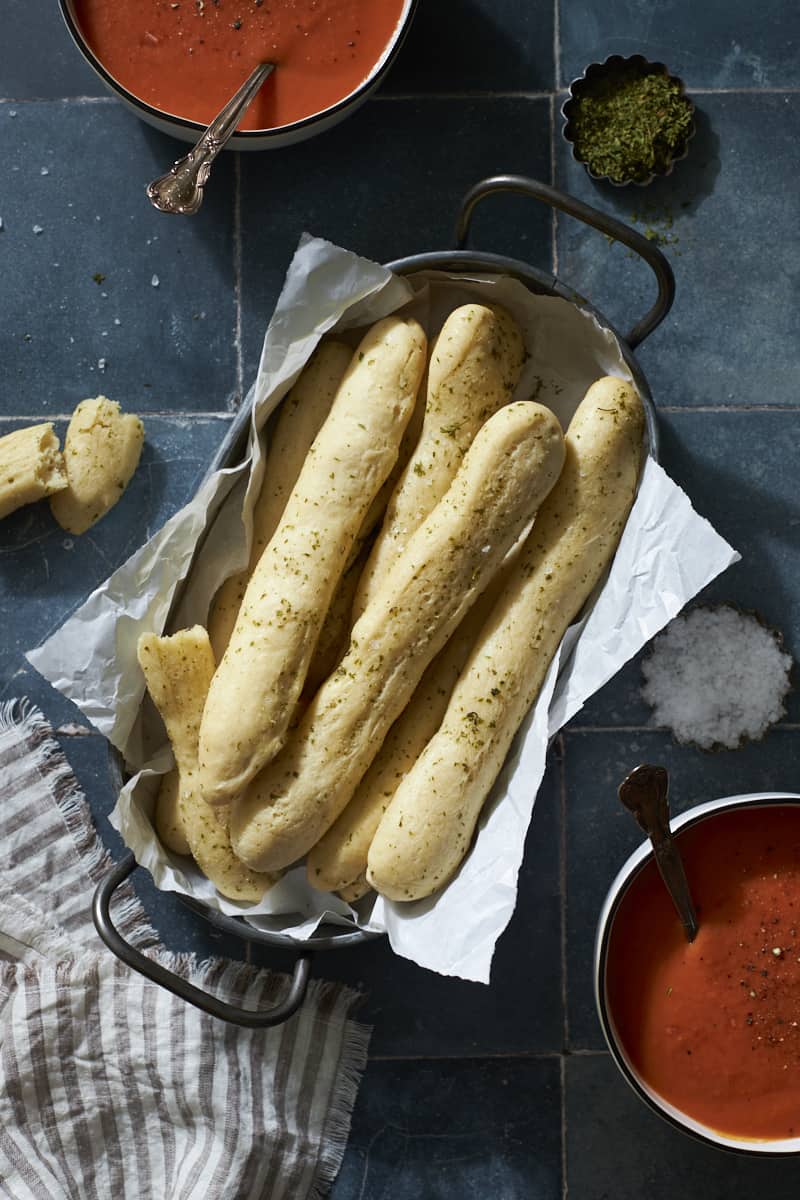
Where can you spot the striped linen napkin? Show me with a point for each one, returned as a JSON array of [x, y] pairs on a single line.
[[109, 1085]]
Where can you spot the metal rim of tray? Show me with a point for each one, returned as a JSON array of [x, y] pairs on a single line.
[[457, 261]]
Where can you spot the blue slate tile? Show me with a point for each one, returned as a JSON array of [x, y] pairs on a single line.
[[387, 183], [616, 1147], [45, 572], [711, 45], [477, 46], [600, 834], [735, 468], [729, 223], [83, 291], [416, 1012], [40, 61], [460, 1130]]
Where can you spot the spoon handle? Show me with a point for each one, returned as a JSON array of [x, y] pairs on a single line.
[[645, 794], [181, 189]]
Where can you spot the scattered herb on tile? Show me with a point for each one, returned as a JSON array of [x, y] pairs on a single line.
[[628, 126]]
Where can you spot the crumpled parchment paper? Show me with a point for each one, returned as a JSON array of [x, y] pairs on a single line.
[[667, 554]]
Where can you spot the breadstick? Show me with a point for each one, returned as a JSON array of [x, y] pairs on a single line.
[[473, 370], [339, 858], [355, 890], [101, 452], [300, 419], [168, 821], [511, 466], [335, 633], [428, 826], [258, 683], [31, 466], [178, 670]]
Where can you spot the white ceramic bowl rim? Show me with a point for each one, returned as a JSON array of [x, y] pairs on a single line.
[[367, 84], [778, 1148]]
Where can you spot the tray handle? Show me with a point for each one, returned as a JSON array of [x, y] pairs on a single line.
[[159, 974], [590, 216]]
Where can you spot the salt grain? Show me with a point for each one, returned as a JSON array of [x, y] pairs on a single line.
[[44, 171], [38, 229], [717, 677], [154, 282]]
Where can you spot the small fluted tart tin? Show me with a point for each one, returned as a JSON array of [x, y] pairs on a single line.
[[613, 102]]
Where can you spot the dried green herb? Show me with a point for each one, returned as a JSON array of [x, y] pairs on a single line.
[[628, 126]]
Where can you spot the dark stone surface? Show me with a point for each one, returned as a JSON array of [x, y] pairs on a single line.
[[462, 1096], [83, 289], [616, 1149], [445, 1129], [711, 45], [400, 169]]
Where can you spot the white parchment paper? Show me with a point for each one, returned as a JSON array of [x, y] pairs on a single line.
[[667, 554]]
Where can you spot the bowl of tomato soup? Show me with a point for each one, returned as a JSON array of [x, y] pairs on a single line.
[[708, 1032], [177, 62]]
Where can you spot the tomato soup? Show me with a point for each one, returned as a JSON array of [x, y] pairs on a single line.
[[713, 1026], [188, 57]]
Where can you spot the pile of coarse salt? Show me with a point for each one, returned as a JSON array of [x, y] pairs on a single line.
[[717, 677]]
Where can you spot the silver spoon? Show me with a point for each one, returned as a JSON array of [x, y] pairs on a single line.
[[644, 793], [181, 189]]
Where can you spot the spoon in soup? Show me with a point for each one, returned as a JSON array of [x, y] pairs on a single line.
[[644, 793], [181, 189]]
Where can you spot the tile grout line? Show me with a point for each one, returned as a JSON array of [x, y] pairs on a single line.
[[383, 97], [237, 278], [562, 873], [494, 1056], [144, 413], [562, 1075], [553, 211], [562, 881], [556, 45]]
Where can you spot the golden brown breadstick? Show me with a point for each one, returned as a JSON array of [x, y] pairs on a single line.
[[510, 467], [473, 370], [178, 670], [258, 683], [300, 419], [428, 826]]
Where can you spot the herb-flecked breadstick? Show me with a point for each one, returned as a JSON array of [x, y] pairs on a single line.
[[474, 367], [428, 826], [258, 683], [31, 466], [301, 417], [340, 856], [168, 820], [177, 671], [508, 470], [101, 452]]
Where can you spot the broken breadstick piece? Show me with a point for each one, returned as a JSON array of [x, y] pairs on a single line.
[[31, 466]]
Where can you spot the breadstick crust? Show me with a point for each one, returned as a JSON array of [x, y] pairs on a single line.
[[335, 633], [356, 890], [301, 417], [101, 452], [168, 820], [258, 683], [31, 467], [507, 472], [474, 367], [178, 671], [339, 859], [429, 824]]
